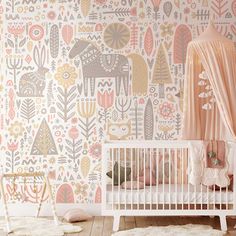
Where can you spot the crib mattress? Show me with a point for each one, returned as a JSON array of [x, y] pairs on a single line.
[[168, 194]]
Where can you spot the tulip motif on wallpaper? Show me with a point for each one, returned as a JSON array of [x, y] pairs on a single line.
[[12, 156], [105, 100], [86, 110]]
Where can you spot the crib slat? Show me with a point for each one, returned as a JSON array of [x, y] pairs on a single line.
[[182, 177], [144, 167], [132, 197], [138, 202], [176, 178], [157, 178], [150, 165], [125, 150], [163, 177], [169, 153], [112, 179], [118, 160]]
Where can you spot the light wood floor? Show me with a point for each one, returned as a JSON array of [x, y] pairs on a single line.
[[102, 226]]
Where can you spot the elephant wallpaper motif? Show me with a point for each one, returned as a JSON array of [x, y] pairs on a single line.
[[75, 73]]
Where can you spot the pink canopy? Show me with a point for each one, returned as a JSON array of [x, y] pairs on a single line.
[[210, 88]]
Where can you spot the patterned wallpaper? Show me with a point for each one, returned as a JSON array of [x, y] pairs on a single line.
[[76, 72]]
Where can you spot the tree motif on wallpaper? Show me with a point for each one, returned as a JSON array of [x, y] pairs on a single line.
[[14, 65], [148, 120], [44, 143], [67, 33], [27, 109], [182, 37], [161, 72], [156, 7]]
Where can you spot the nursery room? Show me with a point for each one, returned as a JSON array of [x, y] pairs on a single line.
[[117, 117]]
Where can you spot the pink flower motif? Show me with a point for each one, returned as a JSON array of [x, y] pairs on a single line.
[[16, 29], [167, 110], [74, 133], [105, 99], [96, 150], [51, 15], [12, 146], [36, 32]]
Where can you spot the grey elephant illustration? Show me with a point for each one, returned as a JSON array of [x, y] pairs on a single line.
[[32, 84], [98, 65]]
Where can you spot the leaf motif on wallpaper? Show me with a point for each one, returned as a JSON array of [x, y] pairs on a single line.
[[98, 195], [66, 103], [136, 114], [65, 194], [161, 73], [148, 41], [233, 6], [86, 110], [148, 120], [85, 7], [85, 166], [27, 110], [67, 33], [44, 143], [182, 37], [73, 149], [167, 8], [54, 41], [219, 7]]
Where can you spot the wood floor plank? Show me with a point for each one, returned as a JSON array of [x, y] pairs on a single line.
[[97, 228], [130, 222], [87, 227], [107, 228]]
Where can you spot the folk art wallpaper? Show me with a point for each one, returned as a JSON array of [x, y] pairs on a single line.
[[76, 72]]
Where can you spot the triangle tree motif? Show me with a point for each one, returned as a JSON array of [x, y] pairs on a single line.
[[161, 73], [44, 143]]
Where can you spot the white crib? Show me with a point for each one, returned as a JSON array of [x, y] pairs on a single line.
[[168, 192]]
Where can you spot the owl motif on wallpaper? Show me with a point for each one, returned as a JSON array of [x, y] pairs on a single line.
[[119, 131]]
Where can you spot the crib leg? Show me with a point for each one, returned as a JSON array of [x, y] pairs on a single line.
[[223, 222], [116, 223]]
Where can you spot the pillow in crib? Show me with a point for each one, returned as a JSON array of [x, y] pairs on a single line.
[[132, 185], [122, 174], [76, 215], [148, 178]]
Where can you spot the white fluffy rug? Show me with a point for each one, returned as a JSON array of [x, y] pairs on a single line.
[[31, 226], [172, 230]]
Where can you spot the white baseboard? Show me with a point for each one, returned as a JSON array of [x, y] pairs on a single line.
[[29, 209]]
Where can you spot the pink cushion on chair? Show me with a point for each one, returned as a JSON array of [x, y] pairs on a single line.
[[76, 215]]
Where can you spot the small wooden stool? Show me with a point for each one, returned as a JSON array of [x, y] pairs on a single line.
[[46, 184]]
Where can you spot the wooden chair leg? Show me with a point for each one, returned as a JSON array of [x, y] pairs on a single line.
[[41, 199], [51, 200], [8, 224]]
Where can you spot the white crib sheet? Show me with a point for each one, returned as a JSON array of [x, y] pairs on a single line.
[[168, 194]]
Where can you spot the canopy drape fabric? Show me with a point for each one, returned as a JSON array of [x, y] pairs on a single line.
[[210, 88]]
